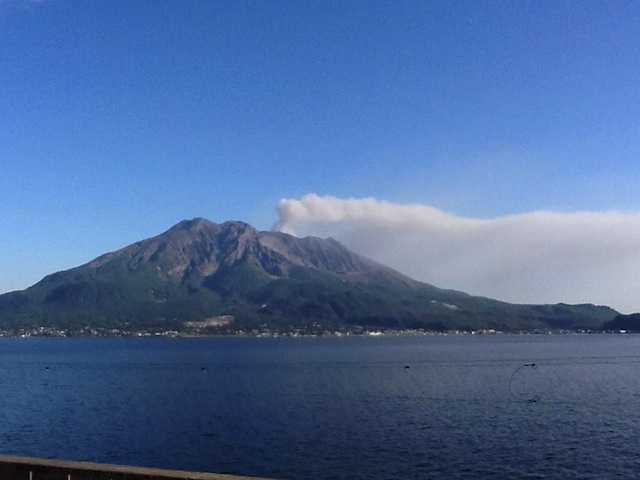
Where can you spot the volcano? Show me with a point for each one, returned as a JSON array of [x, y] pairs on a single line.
[[230, 277]]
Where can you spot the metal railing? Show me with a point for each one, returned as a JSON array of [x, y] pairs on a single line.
[[28, 468]]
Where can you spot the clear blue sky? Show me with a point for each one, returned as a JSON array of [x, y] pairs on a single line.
[[119, 118]]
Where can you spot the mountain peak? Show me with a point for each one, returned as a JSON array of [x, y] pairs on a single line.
[[193, 223], [197, 223]]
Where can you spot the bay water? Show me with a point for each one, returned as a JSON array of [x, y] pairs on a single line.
[[406, 407]]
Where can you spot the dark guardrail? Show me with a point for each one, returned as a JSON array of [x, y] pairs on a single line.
[[27, 468]]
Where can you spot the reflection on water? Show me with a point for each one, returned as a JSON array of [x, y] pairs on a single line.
[[327, 408]]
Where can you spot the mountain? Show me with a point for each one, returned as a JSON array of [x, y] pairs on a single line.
[[227, 277], [629, 323]]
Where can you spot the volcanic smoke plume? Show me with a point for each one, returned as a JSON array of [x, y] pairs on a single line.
[[534, 257]]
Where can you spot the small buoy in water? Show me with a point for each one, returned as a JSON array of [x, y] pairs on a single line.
[[46, 368], [406, 366], [204, 369]]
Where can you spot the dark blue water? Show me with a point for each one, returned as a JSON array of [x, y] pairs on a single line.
[[330, 408]]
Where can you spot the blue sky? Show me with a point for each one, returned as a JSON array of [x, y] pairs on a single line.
[[120, 118]]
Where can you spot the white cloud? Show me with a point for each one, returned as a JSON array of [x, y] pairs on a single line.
[[535, 257]]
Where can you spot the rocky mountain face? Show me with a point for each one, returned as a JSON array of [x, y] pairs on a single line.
[[199, 271], [197, 250]]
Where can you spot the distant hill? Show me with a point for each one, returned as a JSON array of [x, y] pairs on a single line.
[[229, 276], [629, 323]]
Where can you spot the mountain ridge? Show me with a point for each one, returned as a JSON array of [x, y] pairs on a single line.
[[198, 270]]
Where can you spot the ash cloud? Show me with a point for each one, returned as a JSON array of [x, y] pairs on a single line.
[[534, 257]]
